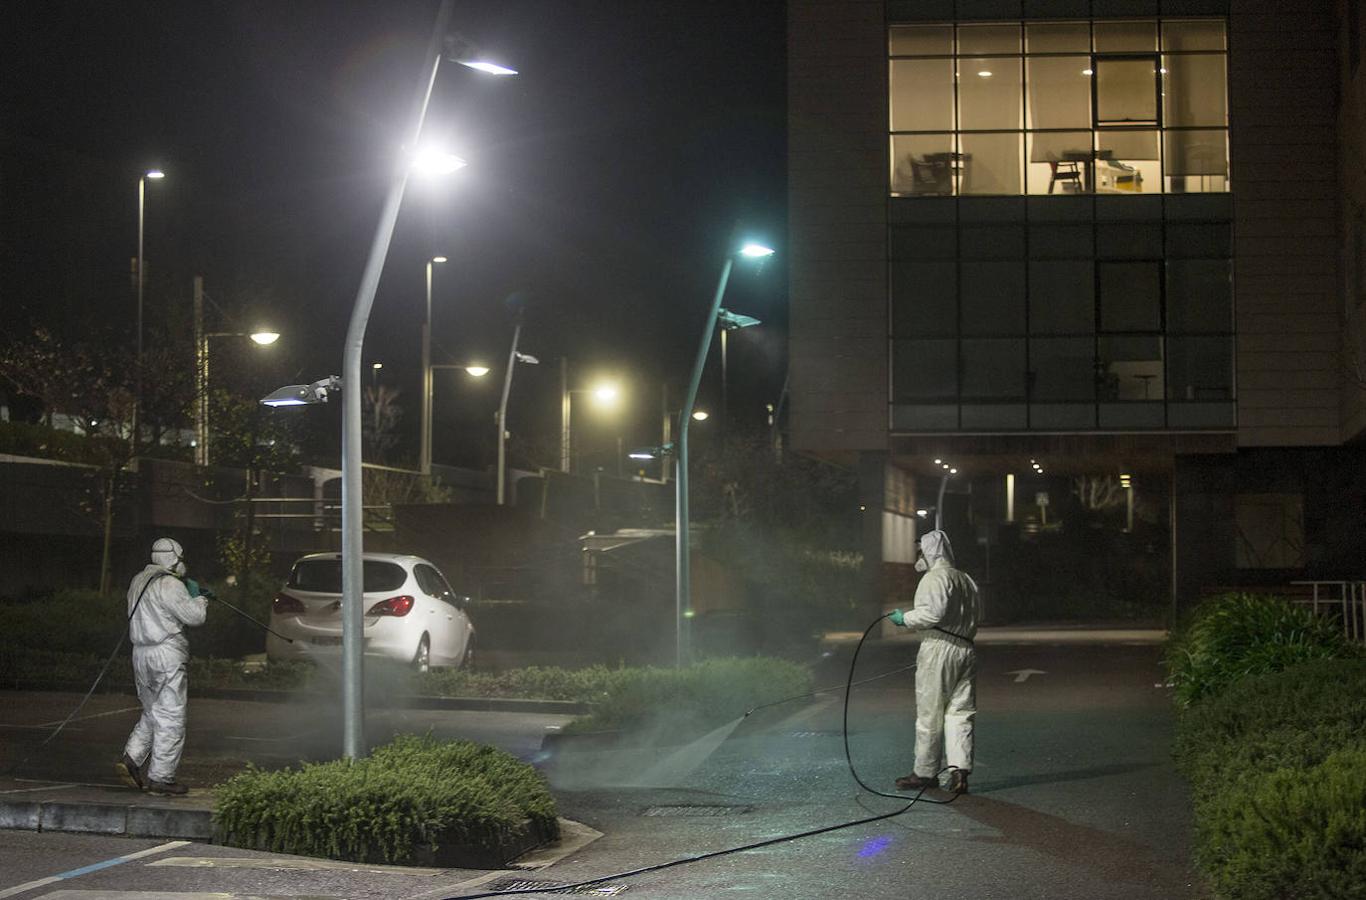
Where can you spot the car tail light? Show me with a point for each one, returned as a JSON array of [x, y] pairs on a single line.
[[394, 606], [286, 605]]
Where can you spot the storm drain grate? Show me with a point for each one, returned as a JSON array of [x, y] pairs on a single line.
[[696, 810], [526, 884]]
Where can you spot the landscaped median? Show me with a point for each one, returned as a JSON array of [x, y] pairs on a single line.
[[1271, 739], [415, 801]]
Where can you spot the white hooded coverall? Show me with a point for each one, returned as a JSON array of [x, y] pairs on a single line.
[[160, 654], [946, 600]]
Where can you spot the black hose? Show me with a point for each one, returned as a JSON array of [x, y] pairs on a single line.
[[658, 867]]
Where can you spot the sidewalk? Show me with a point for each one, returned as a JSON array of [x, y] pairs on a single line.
[[70, 783]]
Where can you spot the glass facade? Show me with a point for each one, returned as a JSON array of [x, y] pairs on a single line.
[[1104, 107], [1076, 313]]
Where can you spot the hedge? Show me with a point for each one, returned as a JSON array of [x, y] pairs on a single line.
[[1277, 763], [1234, 635], [412, 793], [694, 698]]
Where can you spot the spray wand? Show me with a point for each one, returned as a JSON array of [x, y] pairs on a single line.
[[205, 592]]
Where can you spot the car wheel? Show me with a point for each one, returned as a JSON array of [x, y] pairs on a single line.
[[467, 660], [422, 659]]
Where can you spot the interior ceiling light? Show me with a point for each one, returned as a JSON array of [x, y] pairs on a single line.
[[1088, 71], [984, 74]]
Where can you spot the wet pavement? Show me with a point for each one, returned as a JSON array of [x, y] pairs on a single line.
[[1073, 794]]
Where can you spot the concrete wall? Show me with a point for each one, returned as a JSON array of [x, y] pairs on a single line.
[[1352, 180], [1282, 116], [837, 223]]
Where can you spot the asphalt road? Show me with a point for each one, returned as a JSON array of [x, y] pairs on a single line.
[[1073, 796]]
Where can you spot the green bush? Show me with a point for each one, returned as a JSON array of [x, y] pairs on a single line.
[[409, 794], [671, 702], [1234, 635], [69, 621], [1292, 834], [533, 682], [1278, 775]]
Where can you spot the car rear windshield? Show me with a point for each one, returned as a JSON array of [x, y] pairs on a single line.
[[324, 576]]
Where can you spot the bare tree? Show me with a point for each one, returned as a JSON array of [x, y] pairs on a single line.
[[1098, 493], [380, 418]]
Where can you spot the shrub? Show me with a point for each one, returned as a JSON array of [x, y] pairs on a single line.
[[673, 702], [411, 793], [1234, 635], [1292, 719], [68, 621], [1279, 781], [1293, 834], [542, 683]]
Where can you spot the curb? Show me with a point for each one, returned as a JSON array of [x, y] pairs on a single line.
[[109, 819], [261, 695]]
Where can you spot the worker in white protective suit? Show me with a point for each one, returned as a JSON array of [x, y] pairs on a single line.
[[947, 610], [160, 605]]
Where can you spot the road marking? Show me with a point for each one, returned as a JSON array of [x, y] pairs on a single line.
[[112, 712], [46, 787], [1022, 675], [94, 867], [276, 862]]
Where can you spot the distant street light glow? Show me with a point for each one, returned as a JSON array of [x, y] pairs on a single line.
[[155, 173], [437, 162], [701, 415], [376, 365], [755, 251], [605, 393], [477, 371], [265, 337], [438, 259], [490, 68]]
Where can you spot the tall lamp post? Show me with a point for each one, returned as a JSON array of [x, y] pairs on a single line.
[[201, 343], [353, 725], [605, 392], [729, 322], [154, 175], [425, 463], [353, 710], [682, 580], [514, 357]]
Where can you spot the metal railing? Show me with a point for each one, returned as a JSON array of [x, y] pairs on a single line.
[[1349, 604]]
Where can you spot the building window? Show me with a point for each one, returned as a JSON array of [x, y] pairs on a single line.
[[1114, 107]]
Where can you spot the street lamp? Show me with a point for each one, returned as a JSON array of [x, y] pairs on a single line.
[[153, 175], [425, 462], [201, 371], [682, 580], [514, 357], [605, 393], [729, 321], [353, 726]]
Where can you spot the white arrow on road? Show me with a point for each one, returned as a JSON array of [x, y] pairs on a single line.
[[1023, 674]]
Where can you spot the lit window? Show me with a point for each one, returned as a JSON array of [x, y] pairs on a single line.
[[1116, 107]]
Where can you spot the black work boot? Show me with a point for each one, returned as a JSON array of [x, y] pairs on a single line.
[[171, 788], [130, 773], [958, 782], [914, 783]]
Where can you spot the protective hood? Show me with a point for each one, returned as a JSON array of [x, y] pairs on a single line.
[[168, 554], [934, 546]]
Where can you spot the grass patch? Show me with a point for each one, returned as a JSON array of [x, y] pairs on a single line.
[[413, 793]]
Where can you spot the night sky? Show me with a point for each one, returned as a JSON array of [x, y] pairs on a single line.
[[603, 182]]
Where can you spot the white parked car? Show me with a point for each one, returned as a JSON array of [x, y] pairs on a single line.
[[411, 613]]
